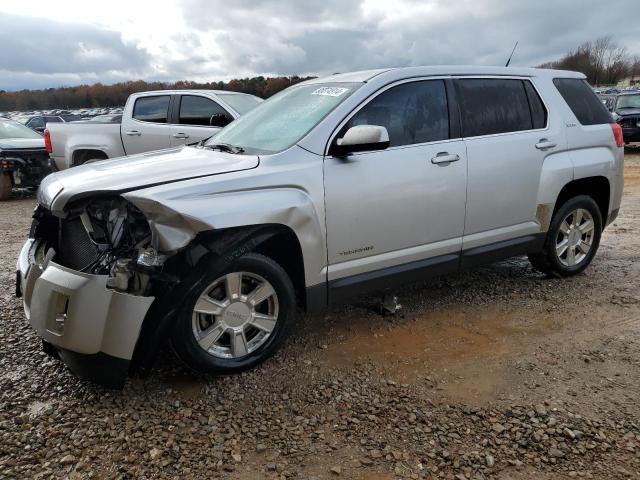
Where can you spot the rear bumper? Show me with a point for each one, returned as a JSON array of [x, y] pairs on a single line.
[[95, 329]]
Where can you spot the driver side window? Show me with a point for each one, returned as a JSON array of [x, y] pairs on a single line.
[[412, 113], [196, 110]]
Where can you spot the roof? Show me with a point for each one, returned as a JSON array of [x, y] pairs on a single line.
[[366, 75]]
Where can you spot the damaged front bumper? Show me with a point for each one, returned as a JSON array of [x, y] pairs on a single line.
[[93, 328]]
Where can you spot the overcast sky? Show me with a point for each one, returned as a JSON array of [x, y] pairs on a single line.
[[46, 43]]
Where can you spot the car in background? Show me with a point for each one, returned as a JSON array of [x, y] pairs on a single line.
[[24, 160], [107, 118], [150, 121], [39, 122], [625, 108]]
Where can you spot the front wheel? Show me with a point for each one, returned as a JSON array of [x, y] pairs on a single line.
[[236, 316], [572, 240]]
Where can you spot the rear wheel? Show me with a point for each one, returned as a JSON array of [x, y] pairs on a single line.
[[5, 186], [235, 317], [89, 157], [572, 240]]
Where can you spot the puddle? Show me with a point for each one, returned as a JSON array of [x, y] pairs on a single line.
[[186, 386], [463, 353]]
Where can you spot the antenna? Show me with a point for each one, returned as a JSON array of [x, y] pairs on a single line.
[[514, 49]]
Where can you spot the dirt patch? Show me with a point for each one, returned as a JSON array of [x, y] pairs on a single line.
[[459, 351]]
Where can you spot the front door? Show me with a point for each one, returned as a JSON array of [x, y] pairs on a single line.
[[148, 128], [198, 118], [390, 210]]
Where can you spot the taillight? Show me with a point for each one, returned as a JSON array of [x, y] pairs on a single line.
[[47, 141], [617, 134]]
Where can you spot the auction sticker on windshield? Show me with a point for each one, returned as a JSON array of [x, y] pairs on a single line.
[[330, 91]]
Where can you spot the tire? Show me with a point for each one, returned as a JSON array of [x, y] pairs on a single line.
[[570, 223], [88, 157], [225, 354], [5, 186]]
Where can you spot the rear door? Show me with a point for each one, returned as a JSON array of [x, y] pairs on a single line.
[[508, 136], [197, 117], [147, 127]]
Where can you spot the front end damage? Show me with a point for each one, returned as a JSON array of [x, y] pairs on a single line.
[[88, 280], [102, 282]]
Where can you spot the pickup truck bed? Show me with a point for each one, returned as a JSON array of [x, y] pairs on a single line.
[[150, 121]]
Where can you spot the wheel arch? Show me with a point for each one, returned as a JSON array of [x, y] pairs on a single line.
[[596, 187], [277, 241], [83, 154]]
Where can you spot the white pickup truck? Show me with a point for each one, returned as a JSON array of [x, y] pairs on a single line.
[[150, 121]]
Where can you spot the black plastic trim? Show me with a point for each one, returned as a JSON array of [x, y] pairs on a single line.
[[344, 288], [99, 368], [612, 216], [341, 289], [455, 125], [317, 297], [493, 252]]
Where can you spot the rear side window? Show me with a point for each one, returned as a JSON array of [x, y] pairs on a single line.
[[414, 112], [584, 103], [493, 105], [151, 109], [538, 112], [195, 110]]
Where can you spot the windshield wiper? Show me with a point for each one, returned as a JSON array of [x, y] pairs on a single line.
[[224, 147]]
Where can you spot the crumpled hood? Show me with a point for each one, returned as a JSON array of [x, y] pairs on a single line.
[[21, 143], [138, 171]]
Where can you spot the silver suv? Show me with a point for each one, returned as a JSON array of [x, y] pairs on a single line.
[[333, 187]]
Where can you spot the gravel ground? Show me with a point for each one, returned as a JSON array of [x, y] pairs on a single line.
[[494, 373]]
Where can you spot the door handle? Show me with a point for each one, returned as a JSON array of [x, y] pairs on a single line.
[[180, 135], [444, 158], [545, 144], [133, 133]]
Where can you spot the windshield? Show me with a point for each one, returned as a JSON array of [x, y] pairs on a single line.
[[239, 102], [285, 118], [10, 129], [628, 101]]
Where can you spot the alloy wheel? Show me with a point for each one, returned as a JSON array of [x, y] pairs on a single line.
[[235, 315], [575, 237]]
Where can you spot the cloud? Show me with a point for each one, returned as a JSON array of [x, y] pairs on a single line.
[[41, 52], [218, 39], [322, 37]]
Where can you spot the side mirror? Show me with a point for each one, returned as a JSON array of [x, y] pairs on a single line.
[[219, 120], [361, 138]]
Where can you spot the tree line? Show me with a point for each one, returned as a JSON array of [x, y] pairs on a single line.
[[603, 61], [99, 95]]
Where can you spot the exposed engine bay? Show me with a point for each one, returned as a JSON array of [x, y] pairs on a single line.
[[104, 236]]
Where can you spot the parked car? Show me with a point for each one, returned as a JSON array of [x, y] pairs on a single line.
[[107, 118], [24, 161], [39, 122], [333, 187], [150, 121], [625, 108]]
